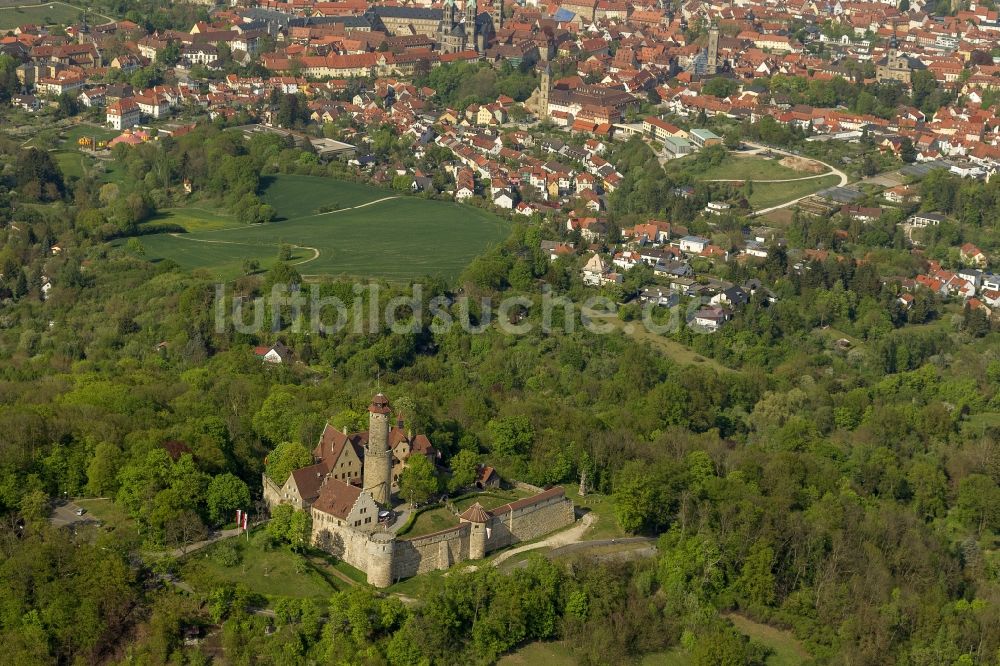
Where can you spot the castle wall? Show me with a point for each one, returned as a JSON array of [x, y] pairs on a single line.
[[530, 522], [272, 493], [397, 559], [430, 552]]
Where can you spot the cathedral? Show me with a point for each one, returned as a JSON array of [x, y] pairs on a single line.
[[467, 28]]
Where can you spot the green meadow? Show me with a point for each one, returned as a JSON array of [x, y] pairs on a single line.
[[335, 228]]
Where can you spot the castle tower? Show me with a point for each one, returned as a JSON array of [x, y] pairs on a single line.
[[712, 66], [471, 29], [543, 92], [477, 518], [381, 548], [378, 456]]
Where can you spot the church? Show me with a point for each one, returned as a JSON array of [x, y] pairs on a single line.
[[455, 27], [470, 30]]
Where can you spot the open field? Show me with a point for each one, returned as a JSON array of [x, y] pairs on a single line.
[[430, 521], [270, 572], [554, 653], [195, 219], [299, 196], [491, 499], [50, 13], [766, 195], [367, 232], [675, 350], [749, 167], [786, 649], [80, 130], [72, 163]]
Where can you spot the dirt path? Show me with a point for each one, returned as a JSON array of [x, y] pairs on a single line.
[[315, 251], [198, 545], [755, 181], [341, 210], [834, 171], [564, 538]]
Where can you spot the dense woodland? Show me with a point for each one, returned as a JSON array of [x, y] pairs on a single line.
[[853, 497]]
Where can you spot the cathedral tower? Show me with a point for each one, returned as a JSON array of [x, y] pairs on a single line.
[[471, 29], [378, 455], [497, 14]]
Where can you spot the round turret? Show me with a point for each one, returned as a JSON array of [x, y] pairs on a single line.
[[381, 546], [478, 518], [378, 457]]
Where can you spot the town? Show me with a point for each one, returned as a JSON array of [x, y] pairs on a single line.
[[445, 332], [575, 81]]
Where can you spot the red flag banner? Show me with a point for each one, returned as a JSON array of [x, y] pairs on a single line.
[[239, 517], [244, 521]]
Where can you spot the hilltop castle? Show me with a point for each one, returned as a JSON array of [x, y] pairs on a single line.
[[353, 478]]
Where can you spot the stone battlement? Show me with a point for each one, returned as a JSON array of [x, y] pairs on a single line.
[[387, 559]]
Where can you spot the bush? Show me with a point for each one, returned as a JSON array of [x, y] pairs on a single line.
[[228, 553]]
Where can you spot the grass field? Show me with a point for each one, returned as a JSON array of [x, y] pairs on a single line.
[[786, 649], [430, 521], [675, 350], [50, 13], [490, 500], [746, 168], [270, 572], [195, 219], [75, 133], [556, 653], [72, 163], [766, 195], [107, 512], [388, 236]]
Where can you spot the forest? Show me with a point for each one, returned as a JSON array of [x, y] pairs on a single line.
[[852, 497]]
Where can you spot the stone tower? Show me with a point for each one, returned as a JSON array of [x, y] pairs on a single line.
[[712, 64], [378, 456], [449, 13], [543, 92], [497, 14], [381, 548], [471, 29], [477, 518]]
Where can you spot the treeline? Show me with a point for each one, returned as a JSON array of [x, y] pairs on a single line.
[[460, 84], [881, 99]]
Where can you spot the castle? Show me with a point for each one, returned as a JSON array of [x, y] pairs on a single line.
[[353, 478]]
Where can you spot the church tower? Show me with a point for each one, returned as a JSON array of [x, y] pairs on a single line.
[[449, 14], [497, 14], [471, 30], [543, 92], [378, 455], [712, 64]]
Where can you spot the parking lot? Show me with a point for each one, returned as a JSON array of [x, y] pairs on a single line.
[[66, 515]]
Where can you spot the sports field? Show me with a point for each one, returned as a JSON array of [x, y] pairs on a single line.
[[336, 228]]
